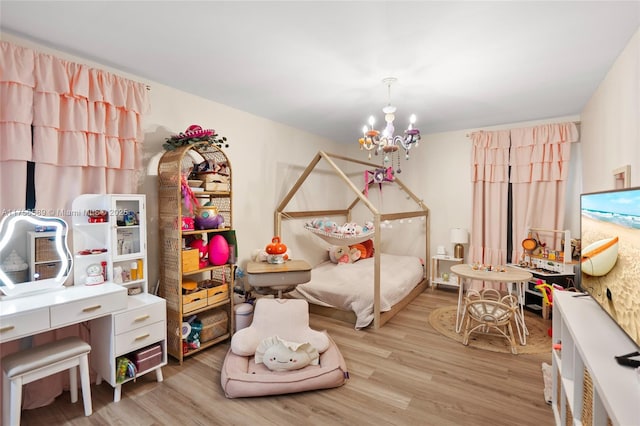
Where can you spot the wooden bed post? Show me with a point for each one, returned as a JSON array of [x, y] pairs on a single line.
[[376, 273]]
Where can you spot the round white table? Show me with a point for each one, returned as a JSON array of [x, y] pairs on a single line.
[[510, 276]]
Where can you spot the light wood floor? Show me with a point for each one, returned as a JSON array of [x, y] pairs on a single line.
[[403, 374]]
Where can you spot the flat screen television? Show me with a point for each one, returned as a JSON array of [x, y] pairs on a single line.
[[610, 254]]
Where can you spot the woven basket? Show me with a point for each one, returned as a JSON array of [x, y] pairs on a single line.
[[587, 399], [214, 324], [46, 249]]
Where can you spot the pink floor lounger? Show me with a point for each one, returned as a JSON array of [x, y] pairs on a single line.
[[288, 319]]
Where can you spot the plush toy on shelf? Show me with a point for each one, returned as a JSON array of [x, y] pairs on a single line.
[[203, 249]]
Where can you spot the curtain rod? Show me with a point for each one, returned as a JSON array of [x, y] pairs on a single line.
[[577, 123]]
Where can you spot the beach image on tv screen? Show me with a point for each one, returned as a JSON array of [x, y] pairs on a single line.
[[610, 260]]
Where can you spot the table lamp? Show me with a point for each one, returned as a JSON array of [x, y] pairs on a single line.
[[459, 237]]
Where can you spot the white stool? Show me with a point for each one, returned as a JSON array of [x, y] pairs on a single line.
[[41, 361]]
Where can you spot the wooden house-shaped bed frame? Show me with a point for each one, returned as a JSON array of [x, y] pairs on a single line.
[[380, 318]]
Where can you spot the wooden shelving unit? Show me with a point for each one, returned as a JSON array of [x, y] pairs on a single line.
[[172, 167]]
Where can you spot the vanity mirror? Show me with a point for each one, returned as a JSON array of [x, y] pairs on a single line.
[[34, 254]]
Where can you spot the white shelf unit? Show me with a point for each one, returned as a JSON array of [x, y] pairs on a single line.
[[441, 264], [124, 244], [590, 340], [143, 322]]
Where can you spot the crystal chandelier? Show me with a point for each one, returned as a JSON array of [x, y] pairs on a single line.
[[386, 143]]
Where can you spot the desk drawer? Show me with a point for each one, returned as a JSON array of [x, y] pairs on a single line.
[[139, 317], [140, 337], [23, 324], [86, 309]]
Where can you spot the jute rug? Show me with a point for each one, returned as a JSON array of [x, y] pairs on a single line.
[[538, 341]]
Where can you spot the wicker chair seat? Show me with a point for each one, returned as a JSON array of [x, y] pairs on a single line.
[[488, 311]]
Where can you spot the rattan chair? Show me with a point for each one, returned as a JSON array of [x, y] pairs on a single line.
[[488, 311]]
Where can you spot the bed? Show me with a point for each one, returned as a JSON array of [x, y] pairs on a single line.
[[369, 291], [349, 287]]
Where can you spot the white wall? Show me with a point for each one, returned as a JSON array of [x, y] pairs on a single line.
[[611, 123]]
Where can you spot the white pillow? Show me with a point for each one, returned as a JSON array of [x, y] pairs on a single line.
[[279, 355]]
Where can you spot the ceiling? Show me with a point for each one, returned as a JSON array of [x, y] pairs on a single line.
[[318, 66]]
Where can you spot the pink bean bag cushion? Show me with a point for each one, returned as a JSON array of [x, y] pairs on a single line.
[[289, 320], [242, 377]]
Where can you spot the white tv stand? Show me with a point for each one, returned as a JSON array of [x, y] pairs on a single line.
[[591, 340]]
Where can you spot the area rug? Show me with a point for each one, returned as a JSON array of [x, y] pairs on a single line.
[[538, 341]]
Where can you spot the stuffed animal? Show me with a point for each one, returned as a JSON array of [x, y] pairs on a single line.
[[324, 224], [351, 228], [343, 254], [365, 248], [203, 249], [279, 355]]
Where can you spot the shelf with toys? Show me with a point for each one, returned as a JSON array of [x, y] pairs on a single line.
[[200, 249]]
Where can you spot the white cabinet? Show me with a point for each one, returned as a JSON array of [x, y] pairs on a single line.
[[589, 386], [441, 273], [142, 324], [118, 245], [109, 235]]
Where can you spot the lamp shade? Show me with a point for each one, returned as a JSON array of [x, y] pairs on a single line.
[[459, 236]]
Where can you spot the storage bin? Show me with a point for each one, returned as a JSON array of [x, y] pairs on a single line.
[[46, 249], [47, 270], [217, 294], [190, 260], [147, 358], [193, 301], [214, 324]]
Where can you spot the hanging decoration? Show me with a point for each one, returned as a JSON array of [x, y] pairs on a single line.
[[377, 176], [386, 143]]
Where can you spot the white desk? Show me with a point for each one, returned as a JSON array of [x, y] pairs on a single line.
[[120, 323], [509, 276], [51, 309]]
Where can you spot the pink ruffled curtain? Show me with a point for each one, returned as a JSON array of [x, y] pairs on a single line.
[[87, 129], [16, 115], [539, 170], [87, 137], [490, 180], [537, 159]]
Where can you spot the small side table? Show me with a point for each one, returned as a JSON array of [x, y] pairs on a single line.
[[441, 264], [277, 278]]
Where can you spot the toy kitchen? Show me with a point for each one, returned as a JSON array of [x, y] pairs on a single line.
[[546, 263]]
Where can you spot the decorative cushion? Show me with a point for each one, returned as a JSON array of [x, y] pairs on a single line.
[[242, 377], [279, 355]]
